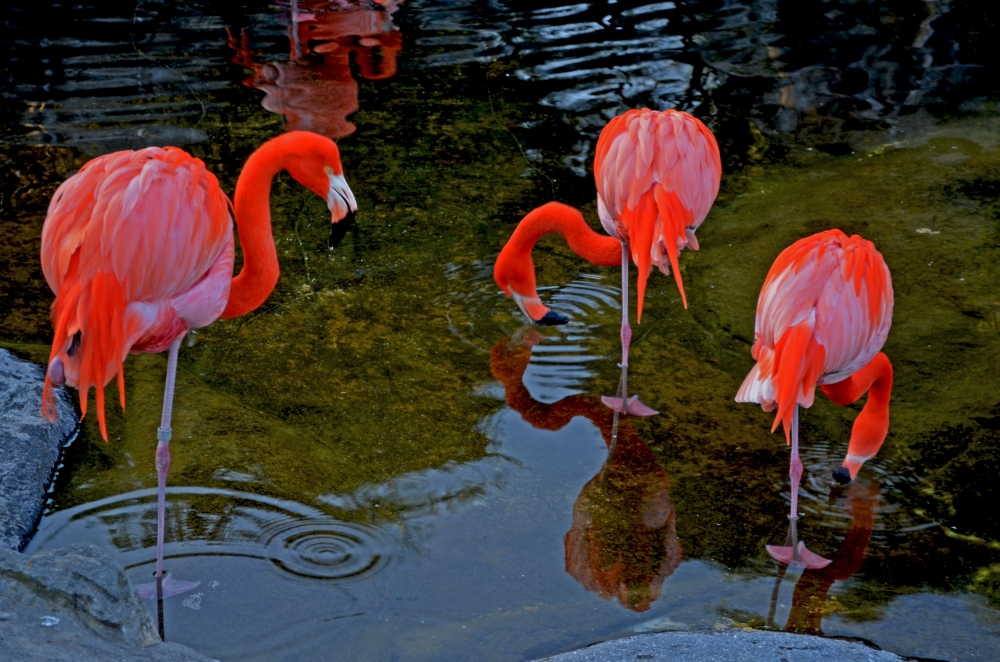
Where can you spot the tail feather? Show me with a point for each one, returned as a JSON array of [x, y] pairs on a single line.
[[798, 361], [674, 219], [95, 308], [641, 227]]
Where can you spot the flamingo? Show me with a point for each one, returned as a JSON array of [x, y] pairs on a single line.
[[138, 248], [657, 175], [822, 317]]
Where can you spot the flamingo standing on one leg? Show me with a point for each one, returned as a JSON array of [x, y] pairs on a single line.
[[657, 175], [822, 317], [138, 248]]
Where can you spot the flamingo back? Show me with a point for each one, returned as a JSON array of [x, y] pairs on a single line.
[[823, 314], [657, 175], [140, 227]]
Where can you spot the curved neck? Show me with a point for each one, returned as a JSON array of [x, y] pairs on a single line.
[[598, 249], [872, 424], [253, 220]]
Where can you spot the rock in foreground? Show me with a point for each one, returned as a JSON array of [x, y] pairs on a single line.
[[29, 446], [727, 645], [76, 604]]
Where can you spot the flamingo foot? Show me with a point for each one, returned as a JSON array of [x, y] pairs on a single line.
[[797, 556], [630, 406], [171, 587]]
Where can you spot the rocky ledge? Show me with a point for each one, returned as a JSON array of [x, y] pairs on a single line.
[[29, 446], [76, 604], [73, 603], [728, 646]]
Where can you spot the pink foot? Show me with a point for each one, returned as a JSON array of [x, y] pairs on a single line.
[[798, 556], [171, 587], [631, 406]]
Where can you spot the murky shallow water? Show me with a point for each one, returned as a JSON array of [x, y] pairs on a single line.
[[377, 465]]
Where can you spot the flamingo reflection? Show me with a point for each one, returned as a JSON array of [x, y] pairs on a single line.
[[623, 541], [809, 597], [315, 89]]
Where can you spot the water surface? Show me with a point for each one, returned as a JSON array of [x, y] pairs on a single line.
[[384, 463]]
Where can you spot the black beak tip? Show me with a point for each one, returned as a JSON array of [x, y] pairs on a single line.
[[552, 318], [339, 229], [842, 475]]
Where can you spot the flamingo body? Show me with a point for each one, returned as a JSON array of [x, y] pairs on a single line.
[[657, 175], [822, 317], [138, 248], [823, 314]]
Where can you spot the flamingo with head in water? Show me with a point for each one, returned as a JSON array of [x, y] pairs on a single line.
[[138, 248], [657, 175], [822, 317]]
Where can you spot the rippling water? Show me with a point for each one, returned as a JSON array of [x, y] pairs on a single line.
[[385, 461]]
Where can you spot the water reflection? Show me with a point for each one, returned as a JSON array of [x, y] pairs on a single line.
[[623, 541], [809, 600], [315, 89]]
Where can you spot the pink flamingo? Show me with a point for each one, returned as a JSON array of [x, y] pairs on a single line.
[[657, 175], [138, 249], [822, 317]]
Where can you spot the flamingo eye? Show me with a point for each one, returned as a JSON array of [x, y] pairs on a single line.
[[328, 170]]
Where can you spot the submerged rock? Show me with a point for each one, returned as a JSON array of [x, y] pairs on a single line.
[[29, 446], [75, 603]]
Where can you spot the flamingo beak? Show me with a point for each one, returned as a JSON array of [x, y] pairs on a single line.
[[342, 205]]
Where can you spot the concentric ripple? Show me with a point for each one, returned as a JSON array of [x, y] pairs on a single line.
[[298, 541], [320, 548]]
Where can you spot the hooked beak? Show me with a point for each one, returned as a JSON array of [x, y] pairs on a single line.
[[342, 205]]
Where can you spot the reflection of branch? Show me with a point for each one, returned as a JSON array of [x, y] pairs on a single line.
[[520, 148]]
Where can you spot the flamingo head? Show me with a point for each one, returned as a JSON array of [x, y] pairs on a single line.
[[319, 170], [514, 272], [64, 367]]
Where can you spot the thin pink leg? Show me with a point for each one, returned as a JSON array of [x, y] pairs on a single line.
[[165, 586], [621, 403], [795, 552], [626, 329]]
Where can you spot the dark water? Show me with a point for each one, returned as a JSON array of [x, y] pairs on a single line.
[[384, 463]]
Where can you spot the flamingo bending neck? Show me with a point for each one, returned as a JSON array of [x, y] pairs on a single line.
[[514, 270], [872, 424]]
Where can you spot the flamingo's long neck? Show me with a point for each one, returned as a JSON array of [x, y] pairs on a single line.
[[593, 247], [872, 424], [253, 219]]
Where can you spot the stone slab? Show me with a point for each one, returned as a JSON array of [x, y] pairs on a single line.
[[29, 446], [76, 604], [726, 646]]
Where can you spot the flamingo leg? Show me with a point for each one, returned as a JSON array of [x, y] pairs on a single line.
[[165, 586], [794, 553], [626, 329], [621, 403]]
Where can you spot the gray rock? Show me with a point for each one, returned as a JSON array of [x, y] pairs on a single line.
[[76, 604], [29, 446], [728, 646]]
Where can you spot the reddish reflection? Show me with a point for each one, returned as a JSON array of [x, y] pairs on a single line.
[[809, 601], [623, 541], [314, 89]]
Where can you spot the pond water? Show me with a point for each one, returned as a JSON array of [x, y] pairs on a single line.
[[383, 462]]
